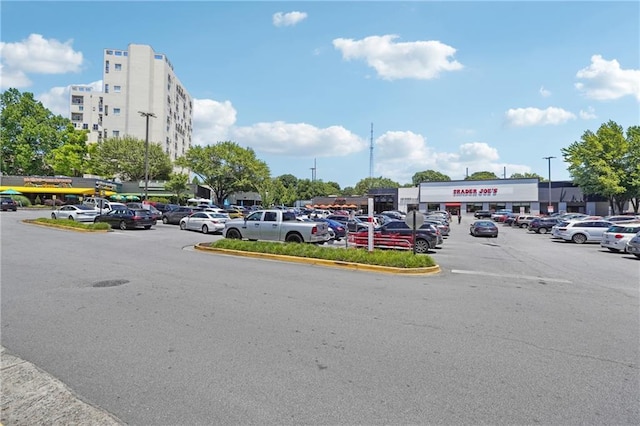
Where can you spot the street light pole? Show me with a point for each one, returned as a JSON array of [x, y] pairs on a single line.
[[146, 154], [549, 161]]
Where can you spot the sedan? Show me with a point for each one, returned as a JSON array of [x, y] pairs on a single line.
[[126, 218], [204, 222], [77, 212], [615, 238], [633, 246], [483, 228]]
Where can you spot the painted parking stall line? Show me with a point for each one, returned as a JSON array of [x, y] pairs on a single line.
[[515, 276]]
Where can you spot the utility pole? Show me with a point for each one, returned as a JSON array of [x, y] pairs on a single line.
[[549, 206], [313, 171], [146, 154]]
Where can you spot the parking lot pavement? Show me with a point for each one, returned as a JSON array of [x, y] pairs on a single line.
[[30, 396]]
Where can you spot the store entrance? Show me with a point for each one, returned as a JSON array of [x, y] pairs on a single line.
[[453, 208]]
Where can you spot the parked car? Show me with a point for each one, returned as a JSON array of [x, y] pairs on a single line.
[[523, 220], [633, 245], [482, 214], [276, 225], [204, 222], [483, 228], [396, 234], [622, 218], [352, 224], [235, 212], [510, 219], [77, 212], [7, 204], [542, 225], [339, 230], [126, 218], [582, 231], [499, 215], [164, 207], [618, 235], [172, 217], [442, 226]]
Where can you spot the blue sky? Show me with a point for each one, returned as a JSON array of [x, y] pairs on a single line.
[[448, 86]]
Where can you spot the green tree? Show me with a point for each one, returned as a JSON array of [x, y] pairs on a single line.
[[30, 133], [605, 163], [364, 185], [308, 189], [429, 176], [227, 168], [178, 184], [124, 157], [348, 191], [69, 159], [484, 175], [527, 175]]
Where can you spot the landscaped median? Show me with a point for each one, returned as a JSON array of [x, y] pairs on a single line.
[[390, 261], [71, 225]]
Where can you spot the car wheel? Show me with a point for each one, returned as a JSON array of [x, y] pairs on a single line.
[[294, 238], [165, 220], [70, 217], [542, 231], [205, 229], [234, 234], [147, 227], [615, 250], [123, 225], [53, 215], [183, 225], [422, 246], [579, 238], [524, 225]]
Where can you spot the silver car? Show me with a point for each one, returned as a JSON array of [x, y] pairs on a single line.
[[205, 222], [616, 238], [79, 213], [633, 246], [582, 231]]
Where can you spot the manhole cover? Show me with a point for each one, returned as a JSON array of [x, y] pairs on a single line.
[[110, 283]]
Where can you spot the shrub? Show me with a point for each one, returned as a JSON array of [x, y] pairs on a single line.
[[51, 202], [37, 200], [22, 200], [71, 224]]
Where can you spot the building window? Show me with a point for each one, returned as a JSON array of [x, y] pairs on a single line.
[[115, 133], [76, 117], [106, 88], [158, 56], [85, 126], [117, 89], [118, 53], [95, 127], [116, 111], [117, 67], [81, 108], [125, 53], [106, 67], [109, 52]]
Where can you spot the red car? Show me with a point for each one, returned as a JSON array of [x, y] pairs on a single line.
[[397, 235]]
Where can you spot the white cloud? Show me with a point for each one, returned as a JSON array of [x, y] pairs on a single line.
[[544, 92], [422, 60], [212, 121], [281, 19], [36, 55], [399, 155], [298, 139], [57, 98], [605, 80], [589, 114], [523, 117]]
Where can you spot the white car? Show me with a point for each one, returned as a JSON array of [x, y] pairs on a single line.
[[79, 212], [617, 237], [582, 231], [205, 222]]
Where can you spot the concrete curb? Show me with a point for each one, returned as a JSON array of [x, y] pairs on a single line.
[[321, 262], [66, 228], [31, 396]]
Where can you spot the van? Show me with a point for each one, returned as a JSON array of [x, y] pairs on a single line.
[[95, 202]]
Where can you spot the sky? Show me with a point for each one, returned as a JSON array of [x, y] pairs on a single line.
[[358, 89]]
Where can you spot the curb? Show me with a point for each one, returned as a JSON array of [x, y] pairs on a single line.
[[322, 262], [66, 228]]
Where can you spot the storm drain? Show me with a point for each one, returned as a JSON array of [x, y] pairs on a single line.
[[109, 283]]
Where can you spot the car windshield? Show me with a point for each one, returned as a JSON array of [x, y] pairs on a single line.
[[484, 223]]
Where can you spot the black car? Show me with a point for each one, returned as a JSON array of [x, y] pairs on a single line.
[[172, 217], [126, 218], [542, 225], [8, 204], [482, 214], [353, 225]]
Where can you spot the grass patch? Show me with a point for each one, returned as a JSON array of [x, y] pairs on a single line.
[[66, 223], [392, 258]]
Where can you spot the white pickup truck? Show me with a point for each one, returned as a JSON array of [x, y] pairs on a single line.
[[276, 225]]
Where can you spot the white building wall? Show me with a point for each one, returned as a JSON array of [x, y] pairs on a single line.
[[136, 80]]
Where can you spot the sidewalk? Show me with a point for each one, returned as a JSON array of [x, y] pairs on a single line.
[[30, 396]]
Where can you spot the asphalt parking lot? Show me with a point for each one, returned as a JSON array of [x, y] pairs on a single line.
[[514, 330]]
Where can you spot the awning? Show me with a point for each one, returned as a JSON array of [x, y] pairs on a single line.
[[54, 190], [452, 204]]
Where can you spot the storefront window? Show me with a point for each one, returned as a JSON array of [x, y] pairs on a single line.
[[497, 206], [473, 207], [433, 207], [526, 208]]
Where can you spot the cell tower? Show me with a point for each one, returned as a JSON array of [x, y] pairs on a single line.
[[313, 171], [371, 154]]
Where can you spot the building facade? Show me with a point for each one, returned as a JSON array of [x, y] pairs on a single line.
[[136, 80]]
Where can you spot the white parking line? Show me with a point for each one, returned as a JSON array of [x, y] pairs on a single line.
[[523, 277]]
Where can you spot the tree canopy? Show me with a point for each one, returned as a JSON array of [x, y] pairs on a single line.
[[178, 184], [527, 176], [364, 185], [484, 175], [31, 134], [227, 168], [429, 176], [124, 157], [606, 163]]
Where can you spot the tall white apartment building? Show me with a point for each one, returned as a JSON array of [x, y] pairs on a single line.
[[136, 80]]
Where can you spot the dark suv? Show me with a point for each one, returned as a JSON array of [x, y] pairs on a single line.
[[482, 214], [397, 234], [542, 225], [8, 204], [173, 216]]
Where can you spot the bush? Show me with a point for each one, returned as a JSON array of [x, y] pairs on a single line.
[[22, 200], [100, 226], [50, 202]]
